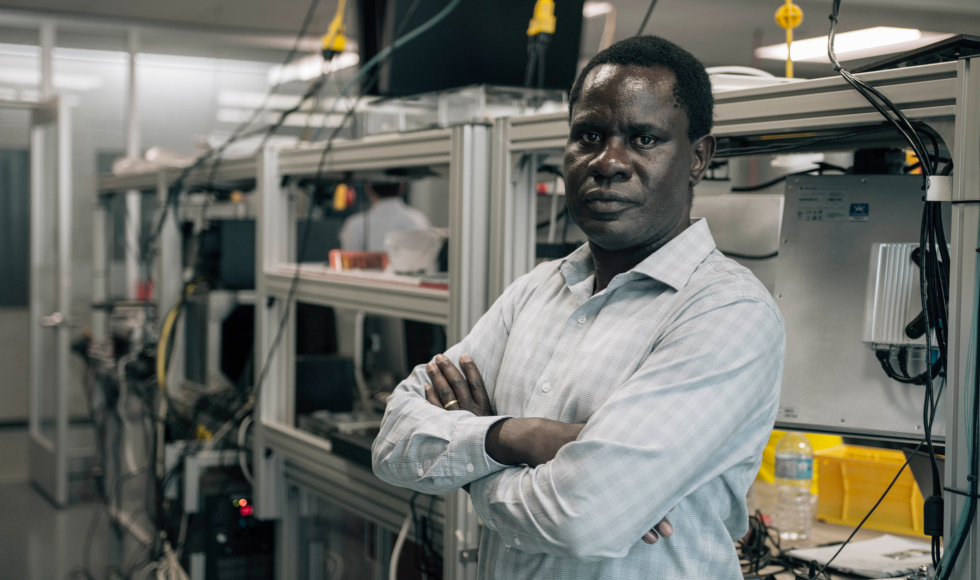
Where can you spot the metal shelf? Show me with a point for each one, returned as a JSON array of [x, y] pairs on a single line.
[[424, 148], [400, 301], [924, 93], [283, 453], [310, 463], [229, 170]]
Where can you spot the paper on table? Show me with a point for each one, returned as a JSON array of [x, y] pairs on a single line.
[[884, 557]]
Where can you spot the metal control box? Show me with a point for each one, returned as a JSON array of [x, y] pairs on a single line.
[[832, 382]]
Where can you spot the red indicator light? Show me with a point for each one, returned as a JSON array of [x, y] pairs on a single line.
[[245, 510]]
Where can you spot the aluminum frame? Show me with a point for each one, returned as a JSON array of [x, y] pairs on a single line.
[[49, 458], [285, 455], [945, 97]]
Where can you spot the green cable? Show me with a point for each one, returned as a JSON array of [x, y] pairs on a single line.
[[408, 37]]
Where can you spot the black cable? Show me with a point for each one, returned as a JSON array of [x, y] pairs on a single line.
[[873, 508], [821, 167], [748, 257], [643, 25], [932, 274], [543, 40], [237, 134], [294, 285], [725, 153]]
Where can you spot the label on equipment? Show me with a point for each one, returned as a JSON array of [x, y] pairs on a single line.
[[823, 204], [794, 468]]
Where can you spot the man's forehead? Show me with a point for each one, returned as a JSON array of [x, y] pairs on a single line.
[[627, 77]]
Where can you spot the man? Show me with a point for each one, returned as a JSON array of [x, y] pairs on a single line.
[[389, 213], [366, 231], [637, 377]]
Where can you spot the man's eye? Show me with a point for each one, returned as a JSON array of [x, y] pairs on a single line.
[[644, 140], [591, 137]]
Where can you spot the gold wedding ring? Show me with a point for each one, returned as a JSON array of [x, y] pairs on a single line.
[[446, 406]]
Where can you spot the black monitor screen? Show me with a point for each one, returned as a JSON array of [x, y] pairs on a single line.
[[482, 42]]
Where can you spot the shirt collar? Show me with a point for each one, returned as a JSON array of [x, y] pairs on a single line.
[[672, 264]]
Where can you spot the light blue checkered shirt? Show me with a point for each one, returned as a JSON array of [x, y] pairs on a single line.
[[675, 368]]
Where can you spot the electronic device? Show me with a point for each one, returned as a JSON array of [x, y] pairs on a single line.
[[950, 48], [893, 308], [324, 382], [224, 539], [219, 326], [227, 253], [478, 43], [829, 227]]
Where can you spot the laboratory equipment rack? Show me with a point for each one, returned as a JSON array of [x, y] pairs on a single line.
[[818, 115], [285, 456]]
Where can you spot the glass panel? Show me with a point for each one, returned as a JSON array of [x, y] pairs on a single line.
[[327, 394], [45, 286], [556, 234], [358, 214], [335, 543]]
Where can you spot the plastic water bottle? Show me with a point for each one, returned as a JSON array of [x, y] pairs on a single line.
[[794, 476]]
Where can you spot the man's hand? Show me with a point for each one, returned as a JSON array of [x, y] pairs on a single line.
[[452, 391], [530, 441]]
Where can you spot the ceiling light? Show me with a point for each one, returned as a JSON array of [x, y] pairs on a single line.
[[847, 45], [593, 9]]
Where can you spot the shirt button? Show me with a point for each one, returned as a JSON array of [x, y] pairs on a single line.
[[421, 472], [546, 387], [581, 319], [469, 467], [517, 542]]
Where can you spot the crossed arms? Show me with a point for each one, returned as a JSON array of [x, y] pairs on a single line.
[[681, 420]]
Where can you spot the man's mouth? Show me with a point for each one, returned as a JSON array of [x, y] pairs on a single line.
[[607, 201]]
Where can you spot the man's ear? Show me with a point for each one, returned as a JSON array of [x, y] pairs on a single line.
[[702, 152]]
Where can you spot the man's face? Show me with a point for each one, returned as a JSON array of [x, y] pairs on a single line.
[[629, 164]]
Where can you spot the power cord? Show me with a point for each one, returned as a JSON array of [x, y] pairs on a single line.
[[933, 270], [643, 25]]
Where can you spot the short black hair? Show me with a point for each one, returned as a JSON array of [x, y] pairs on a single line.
[[387, 189], [692, 88]]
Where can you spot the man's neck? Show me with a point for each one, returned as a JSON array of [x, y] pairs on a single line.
[[609, 264]]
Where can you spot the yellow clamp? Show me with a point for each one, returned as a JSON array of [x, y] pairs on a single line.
[[789, 16], [334, 40], [544, 18]]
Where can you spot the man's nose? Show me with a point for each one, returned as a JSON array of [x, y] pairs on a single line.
[[612, 163]]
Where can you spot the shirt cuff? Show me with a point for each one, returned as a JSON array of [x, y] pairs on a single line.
[[469, 446]]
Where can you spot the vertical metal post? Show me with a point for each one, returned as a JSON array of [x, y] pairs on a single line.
[[513, 212], [271, 229], [133, 206], [100, 269], [469, 258], [64, 201], [963, 309], [47, 39], [168, 281]]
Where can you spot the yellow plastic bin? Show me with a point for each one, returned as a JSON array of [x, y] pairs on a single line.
[[852, 478]]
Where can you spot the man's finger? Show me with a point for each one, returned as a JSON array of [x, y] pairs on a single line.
[[475, 379], [430, 395], [456, 380], [664, 528], [443, 391], [651, 537]]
